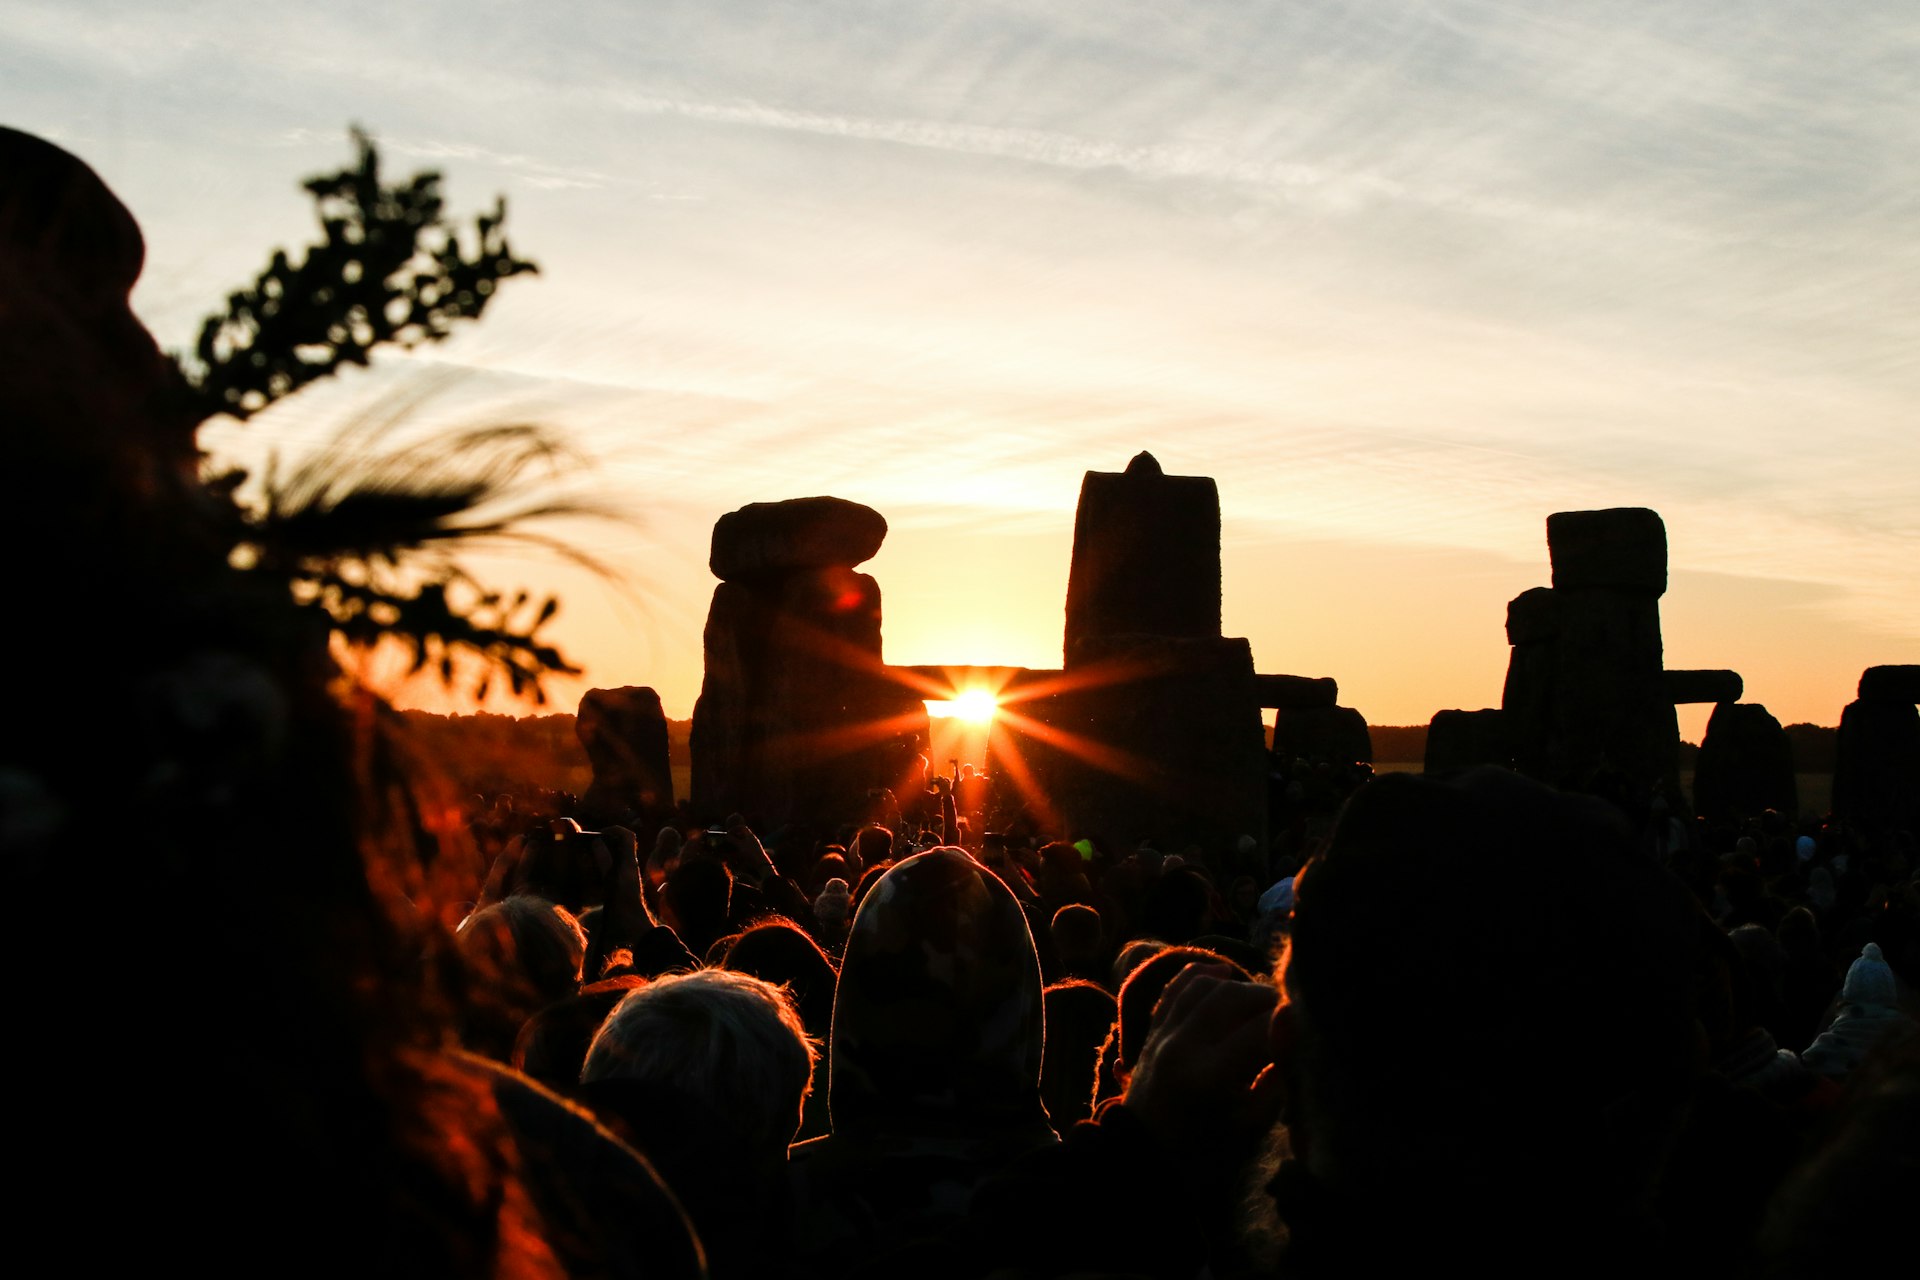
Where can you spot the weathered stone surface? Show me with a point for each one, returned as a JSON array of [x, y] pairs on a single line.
[[1620, 549], [1587, 703], [1745, 765], [1890, 684], [762, 538], [797, 716], [1337, 735], [1704, 686], [1526, 703], [1533, 616], [1611, 716], [1296, 693], [624, 733], [1876, 771], [1462, 739], [1156, 738], [1146, 556]]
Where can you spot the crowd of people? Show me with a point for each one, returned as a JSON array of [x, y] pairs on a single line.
[[284, 1006], [1479, 1017]]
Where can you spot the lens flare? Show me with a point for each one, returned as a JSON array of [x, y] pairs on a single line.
[[975, 706]]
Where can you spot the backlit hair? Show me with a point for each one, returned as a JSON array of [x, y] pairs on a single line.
[[728, 1039]]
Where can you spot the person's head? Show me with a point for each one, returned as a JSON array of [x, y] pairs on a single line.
[[565, 864], [830, 865], [938, 1017], [730, 1041], [1141, 992], [780, 952], [552, 1044], [1481, 939], [1134, 954], [524, 953], [698, 894], [1178, 904], [1077, 938], [1079, 1015]]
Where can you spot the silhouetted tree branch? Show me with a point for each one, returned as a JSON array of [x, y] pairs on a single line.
[[391, 269], [364, 534]]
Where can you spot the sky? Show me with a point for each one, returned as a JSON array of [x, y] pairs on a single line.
[[1405, 279]]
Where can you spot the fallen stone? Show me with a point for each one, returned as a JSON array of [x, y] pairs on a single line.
[[763, 538]]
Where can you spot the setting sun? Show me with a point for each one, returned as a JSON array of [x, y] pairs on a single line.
[[976, 706]]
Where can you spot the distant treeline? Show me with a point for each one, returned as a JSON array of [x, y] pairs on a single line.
[[486, 754], [1813, 746]]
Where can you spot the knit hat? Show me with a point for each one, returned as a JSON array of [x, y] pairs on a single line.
[[1278, 899], [834, 902], [1870, 979]]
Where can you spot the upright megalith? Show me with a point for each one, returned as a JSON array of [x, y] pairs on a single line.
[[1587, 699], [1462, 739], [624, 733], [1526, 701], [1329, 735], [1159, 739], [1876, 770], [1159, 733], [1745, 765], [796, 716], [1146, 556]]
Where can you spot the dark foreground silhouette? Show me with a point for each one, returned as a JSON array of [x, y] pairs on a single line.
[[281, 1013]]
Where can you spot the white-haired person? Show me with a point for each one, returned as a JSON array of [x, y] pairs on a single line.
[[706, 1073]]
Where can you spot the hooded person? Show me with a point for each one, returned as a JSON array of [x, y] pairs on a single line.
[[933, 1067]]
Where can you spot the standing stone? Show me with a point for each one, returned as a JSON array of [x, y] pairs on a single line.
[[1587, 699], [1745, 765], [624, 733], [1526, 700], [1890, 684], [1146, 556], [1876, 769], [797, 716], [1336, 735], [1462, 739], [1156, 738]]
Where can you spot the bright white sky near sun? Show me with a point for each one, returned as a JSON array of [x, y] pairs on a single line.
[[1405, 278]]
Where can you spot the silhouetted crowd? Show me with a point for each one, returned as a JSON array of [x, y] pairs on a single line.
[[283, 1006], [1484, 1020]]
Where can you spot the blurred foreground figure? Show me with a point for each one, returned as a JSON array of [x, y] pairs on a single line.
[[1485, 1049], [234, 959], [933, 1068]]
